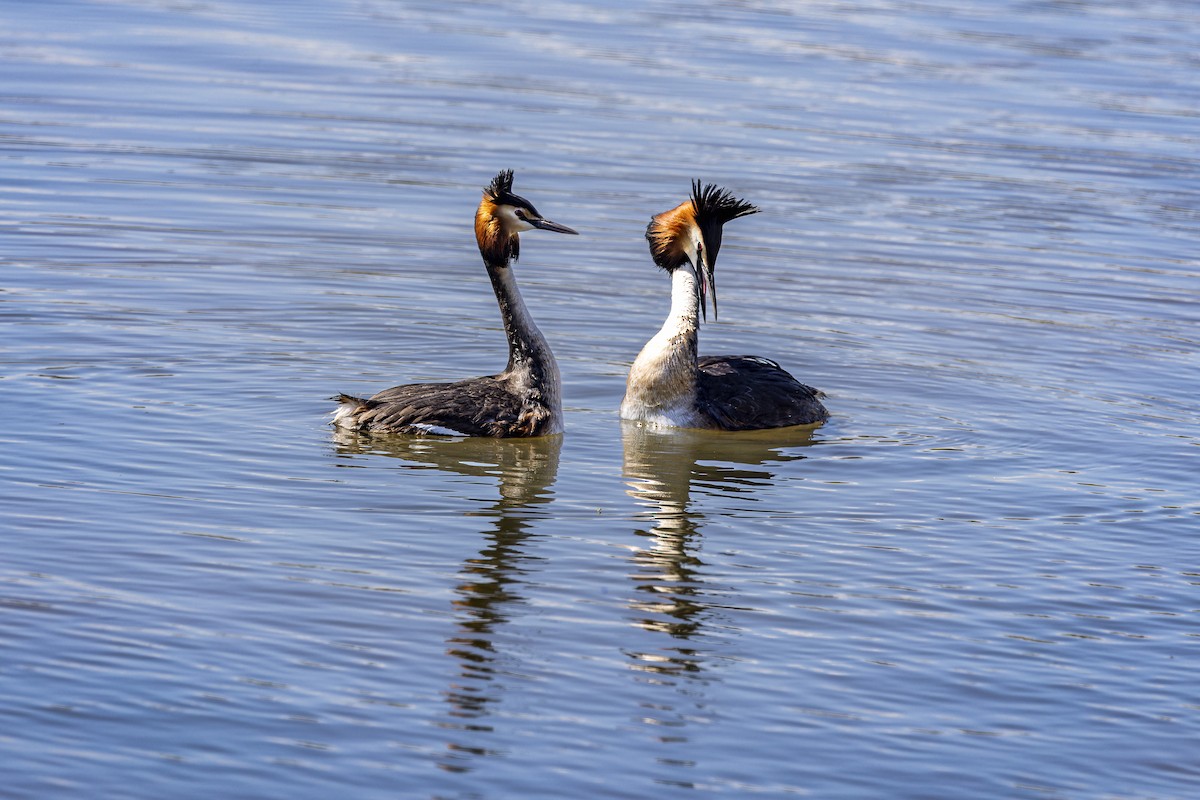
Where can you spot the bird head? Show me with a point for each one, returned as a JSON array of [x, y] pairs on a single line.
[[501, 216], [691, 233]]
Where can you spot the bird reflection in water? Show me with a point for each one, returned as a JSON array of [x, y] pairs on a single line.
[[490, 585], [668, 472]]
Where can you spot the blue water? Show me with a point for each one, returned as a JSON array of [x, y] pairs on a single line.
[[980, 579]]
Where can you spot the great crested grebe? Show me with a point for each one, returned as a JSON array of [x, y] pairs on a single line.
[[523, 400], [668, 385]]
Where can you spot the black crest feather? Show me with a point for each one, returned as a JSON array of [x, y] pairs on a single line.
[[501, 185], [714, 205]]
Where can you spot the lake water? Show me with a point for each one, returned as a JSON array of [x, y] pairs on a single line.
[[980, 579]]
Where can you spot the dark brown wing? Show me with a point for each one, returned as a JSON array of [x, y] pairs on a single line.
[[742, 393], [475, 407]]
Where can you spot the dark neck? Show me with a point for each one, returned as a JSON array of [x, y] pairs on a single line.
[[528, 350]]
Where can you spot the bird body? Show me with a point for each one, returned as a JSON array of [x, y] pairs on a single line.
[[669, 385], [523, 400]]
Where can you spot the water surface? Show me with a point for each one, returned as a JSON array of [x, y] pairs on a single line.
[[978, 580]]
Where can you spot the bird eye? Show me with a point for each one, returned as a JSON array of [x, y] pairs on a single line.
[[521, 215]]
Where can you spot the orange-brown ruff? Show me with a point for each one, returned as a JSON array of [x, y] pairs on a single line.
[[496, 245], [523, 400], [667, 232], [669, 385]]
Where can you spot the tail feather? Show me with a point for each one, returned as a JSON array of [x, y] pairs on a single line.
[[349, 407]]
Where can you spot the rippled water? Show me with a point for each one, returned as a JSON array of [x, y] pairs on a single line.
[[978, 580]]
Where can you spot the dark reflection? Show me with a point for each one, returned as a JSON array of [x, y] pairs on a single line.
[[669, 472], [525, 470]]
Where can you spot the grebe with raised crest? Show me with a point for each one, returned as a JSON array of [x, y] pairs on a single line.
[[669, 385]]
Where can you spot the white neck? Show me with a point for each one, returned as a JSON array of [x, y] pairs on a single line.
[[685, 303], [662, 382]]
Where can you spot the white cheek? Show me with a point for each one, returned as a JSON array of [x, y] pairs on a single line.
[[510, 220], [692, 250]]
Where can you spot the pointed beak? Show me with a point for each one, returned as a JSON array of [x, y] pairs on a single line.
[[547, 225], [708, 284]]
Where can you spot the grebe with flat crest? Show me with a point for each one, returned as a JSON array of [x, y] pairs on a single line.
[[668, 385], [523, 400]]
